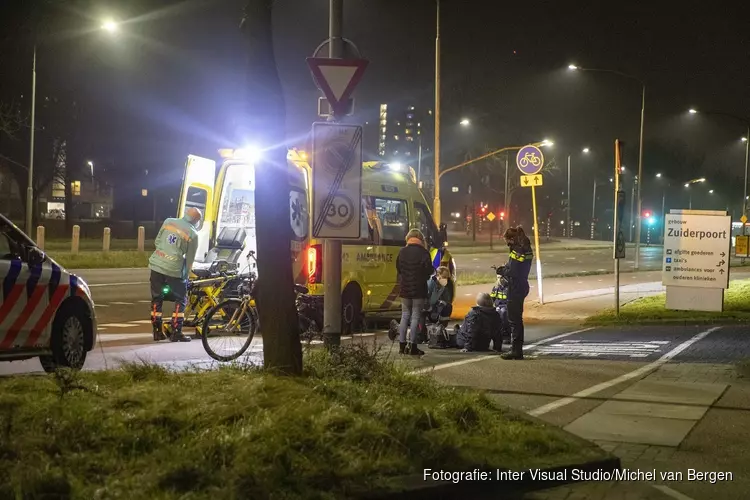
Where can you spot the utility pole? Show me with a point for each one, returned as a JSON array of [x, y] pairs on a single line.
[[507, 205], [593, 212], [640, 181], [436, 202], [264, 120], [419, 162], [30, 186], [569, 226], [632, 207], [332, 248]]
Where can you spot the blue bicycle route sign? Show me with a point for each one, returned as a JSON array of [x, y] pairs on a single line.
[[530, 160]]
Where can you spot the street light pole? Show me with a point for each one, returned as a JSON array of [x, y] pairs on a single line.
[[568, 207], [419, 161], [593, 212], [436, 203], [30, 185], [640, 181], [505, 193], [744, 195]]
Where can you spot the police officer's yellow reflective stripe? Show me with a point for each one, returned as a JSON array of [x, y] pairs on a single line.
[[521, 257]]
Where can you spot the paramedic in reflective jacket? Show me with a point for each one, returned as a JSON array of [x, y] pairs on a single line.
[[170, 264], [517, 273]]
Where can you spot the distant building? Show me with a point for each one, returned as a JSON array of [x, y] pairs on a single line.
[[401, 133]]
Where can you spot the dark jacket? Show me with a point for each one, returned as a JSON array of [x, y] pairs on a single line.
[[481, 325], [414, 268], [437, 293], [517, 270]]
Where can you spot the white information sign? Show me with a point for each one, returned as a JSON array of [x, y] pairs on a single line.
[[696, 250], [337, 180]]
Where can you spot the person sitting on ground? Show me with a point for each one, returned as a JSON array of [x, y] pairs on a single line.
[[441, 290], [481, 325]]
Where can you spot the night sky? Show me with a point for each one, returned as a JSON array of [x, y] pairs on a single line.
[[172, 83]]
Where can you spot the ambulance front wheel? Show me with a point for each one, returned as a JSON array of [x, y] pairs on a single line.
[[351, 309], [68, 342]]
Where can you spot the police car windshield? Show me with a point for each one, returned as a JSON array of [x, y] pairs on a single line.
[[10, 229]]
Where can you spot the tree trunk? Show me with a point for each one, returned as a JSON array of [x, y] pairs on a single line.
[[264, 125]]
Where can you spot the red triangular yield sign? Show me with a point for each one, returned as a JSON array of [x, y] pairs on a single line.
[[337, 79]]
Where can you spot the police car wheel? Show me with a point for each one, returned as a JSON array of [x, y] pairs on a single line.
[[68, 342]]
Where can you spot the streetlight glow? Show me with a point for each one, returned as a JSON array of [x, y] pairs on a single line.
[[546, 142], [702, 179], [687, 184], [572, 67], [710, 191], [692, 111], [465, 122], [744, 139], [658, 175], [586, 150], [110, 26]]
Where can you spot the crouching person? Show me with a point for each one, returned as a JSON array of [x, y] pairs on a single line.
[[481, 326]]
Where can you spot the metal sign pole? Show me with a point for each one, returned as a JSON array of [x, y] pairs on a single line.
[[616, 227], [332, 247], [536, 247]]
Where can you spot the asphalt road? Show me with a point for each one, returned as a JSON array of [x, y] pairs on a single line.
[[131, 285]]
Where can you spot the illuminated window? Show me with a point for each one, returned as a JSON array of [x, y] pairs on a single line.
[[75, 188], [407, 131], [410, 116], [395, 137], [409, 139]]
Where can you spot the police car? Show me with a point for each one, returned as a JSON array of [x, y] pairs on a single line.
[[45, 311]]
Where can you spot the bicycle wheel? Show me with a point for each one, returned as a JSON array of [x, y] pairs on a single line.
[[228, 330]]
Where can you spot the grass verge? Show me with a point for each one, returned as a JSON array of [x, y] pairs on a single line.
[[652, 310], [101, 260], [476, 278], [352, 424], [93, 244]]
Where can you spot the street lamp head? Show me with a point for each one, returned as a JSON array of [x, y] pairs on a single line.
[[692, 111], [90, 163], [710, 191], [586, 150], [110, 26], [572, 67], [744, 139], [546, 142], [702, 179], [687, 184], [465, 122], [658, 175]]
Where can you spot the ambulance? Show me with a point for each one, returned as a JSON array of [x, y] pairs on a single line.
[[45, 311], [391, 204]]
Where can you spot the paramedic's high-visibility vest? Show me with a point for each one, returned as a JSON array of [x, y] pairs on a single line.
[[442, 257]]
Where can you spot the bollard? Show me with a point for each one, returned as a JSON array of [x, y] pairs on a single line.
[[593, 226], [141, 238], [76, 239], [105, 242], [40, 237]]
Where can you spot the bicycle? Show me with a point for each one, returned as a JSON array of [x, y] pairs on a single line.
[[230, 325], [529, 158]]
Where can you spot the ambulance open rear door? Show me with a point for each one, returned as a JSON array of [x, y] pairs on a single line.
[[198, 191]]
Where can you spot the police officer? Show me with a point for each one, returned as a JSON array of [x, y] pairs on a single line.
[[517, 273], [170, 264], [439, 253]]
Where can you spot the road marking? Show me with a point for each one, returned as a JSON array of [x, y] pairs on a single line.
[[119, 284], [670, 492], [141, 322], [554, 405], [595, 349], [116, 325], [101, 305], [144, 301], [495, 356], [570, 258], [121, 303]]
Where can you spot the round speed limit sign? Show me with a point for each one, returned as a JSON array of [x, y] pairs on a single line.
[[340, 212]]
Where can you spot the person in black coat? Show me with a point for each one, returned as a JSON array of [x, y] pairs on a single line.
[[517, 273], [414, 268], [481, 325]]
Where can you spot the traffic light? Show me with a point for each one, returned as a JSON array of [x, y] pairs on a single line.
[[483, 210], [502, 215], [646, 214], [620, 208]]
